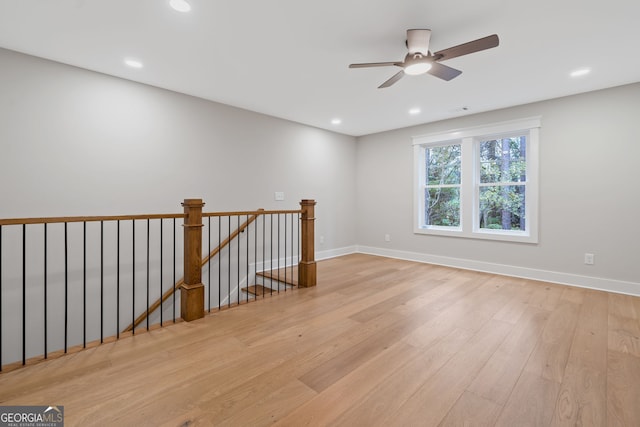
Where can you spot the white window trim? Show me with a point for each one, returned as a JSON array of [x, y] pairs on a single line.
[[468, 208]]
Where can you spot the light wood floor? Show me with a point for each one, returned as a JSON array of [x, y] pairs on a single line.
[[379, 342]]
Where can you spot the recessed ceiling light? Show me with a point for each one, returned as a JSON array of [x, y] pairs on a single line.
[[336, 121], [414, 111], [180, 5], [580, 72], [133, 63]]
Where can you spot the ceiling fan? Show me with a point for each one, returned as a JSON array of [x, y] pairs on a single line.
[[420, 60]]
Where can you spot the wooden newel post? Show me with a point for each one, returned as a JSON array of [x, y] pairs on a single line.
[[307, 265], [192, 291]]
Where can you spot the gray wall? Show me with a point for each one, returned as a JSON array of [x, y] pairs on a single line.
[[589, 196], [75, 142]]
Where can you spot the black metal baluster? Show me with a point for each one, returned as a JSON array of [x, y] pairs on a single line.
[[161, 267], [219, 262], [101, 282], [24, 294], [0, 298], [247, 240], [278, 240], [291, 249], [299, 239], [271, 254], [133, 279], [264, 220], [238, 286], [45, 292], [209, 265], [255, 255], [285, 252], [84, 284], [148, 240], [118, 280], [293, 276], [66, 286], [264, 257], [229, 263], [174, 271]]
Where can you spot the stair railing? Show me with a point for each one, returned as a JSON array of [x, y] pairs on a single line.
[[68, 283], [171, 291]]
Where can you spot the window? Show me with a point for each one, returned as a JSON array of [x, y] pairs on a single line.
[[479, 182], [442, 189]]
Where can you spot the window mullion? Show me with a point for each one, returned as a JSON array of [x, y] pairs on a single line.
[[467, 188]]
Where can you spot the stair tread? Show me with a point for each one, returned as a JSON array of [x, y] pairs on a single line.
[[290, 276], [257, 290]]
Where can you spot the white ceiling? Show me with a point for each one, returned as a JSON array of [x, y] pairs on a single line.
[[289, 58]]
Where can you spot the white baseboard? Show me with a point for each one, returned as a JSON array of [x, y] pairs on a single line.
[[597, 283], [332, 253]]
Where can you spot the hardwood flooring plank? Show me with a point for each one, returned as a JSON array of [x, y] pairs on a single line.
[[456, 290], [472, 410], [624, 335], [265, 411], [582, 398], [588, 347], [329, 372], [440, 297], [624, 324], [623, 389], [624, 306], [402, 296], [549, 358], [531, 403], [327, 406], [574, 295], [378, 407], [546, 296], [498, 377], [433, 400], [515, 308], [470, 312]]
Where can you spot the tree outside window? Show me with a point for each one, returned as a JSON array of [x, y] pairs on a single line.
[[442, 190], [502, 186]]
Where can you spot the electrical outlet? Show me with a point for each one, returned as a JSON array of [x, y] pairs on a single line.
[[387, 237], [279, 196], [589, 259], [321, 240]]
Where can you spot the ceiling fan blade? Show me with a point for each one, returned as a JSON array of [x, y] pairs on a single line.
[[418, 41], [467, 48], [392, 80], [373, 64], [443, 72]]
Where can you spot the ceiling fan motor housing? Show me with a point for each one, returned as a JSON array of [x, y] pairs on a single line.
[[418, 41]]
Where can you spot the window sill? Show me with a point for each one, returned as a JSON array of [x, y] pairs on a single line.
[[497, 235]]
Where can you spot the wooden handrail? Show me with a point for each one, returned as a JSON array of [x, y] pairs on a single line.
[[153, 307], [62, 219], [258, 212]]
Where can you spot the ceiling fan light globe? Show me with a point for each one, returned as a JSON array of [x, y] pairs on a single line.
[[417, 68]]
